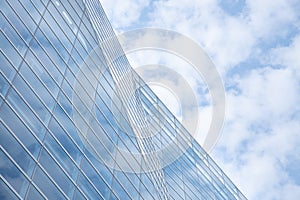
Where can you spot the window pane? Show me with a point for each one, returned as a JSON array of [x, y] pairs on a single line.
[[16, 151], [41, 91], [33, 193], [4, 85], [13, 35], [31, 11], [10, 50], [56, 173], [59, 154], [26, 114], [12, 174], [87, 188], [123, 184], [63, 138], [43, 66], [55, 52], [78, 195], [45, 36], [18, 128], [23, 14], [15, 21], [101, 182], [46, 186], [6, 68], [5, 192], [52, 23]]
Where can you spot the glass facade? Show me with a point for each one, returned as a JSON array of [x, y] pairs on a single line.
[[78, 123]]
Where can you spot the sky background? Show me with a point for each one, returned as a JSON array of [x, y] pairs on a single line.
[[255, 45]]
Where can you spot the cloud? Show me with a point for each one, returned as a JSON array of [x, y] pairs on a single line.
[[124, 13], [218, 32], [261, 132], [270, 19], [287, 56], [228, 39]]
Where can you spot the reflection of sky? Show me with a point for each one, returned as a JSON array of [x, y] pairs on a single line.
[[255, 46], [41, 73]]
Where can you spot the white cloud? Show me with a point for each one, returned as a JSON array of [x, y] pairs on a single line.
[[261, 132], [287, 56], [227, 39], [124, 12], [269, 18]]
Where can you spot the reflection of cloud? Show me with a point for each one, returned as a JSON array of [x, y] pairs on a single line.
[[11, 174]]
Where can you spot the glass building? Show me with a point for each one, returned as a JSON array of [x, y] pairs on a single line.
[[78, 123]]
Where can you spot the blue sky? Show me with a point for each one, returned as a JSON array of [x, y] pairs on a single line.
[[255, 46]]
